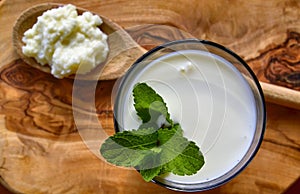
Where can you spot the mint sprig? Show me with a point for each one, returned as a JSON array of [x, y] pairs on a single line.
[[158, 145]]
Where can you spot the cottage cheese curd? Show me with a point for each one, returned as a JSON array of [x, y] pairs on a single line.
[[69, 43]]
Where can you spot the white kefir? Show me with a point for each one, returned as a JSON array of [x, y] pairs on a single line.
[[209, 98]]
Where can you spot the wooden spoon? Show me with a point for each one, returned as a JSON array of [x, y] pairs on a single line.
[[123, 49]]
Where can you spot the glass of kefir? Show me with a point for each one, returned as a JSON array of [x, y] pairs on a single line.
[[215, 97]]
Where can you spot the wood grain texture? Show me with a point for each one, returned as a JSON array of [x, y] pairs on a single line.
[[41, 150], [282, 63]]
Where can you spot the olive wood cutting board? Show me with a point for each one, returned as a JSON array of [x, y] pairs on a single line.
[[41, 150]]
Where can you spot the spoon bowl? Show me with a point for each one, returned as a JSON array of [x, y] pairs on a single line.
[[123, 50]]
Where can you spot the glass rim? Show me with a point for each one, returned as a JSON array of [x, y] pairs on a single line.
[[195, 187]]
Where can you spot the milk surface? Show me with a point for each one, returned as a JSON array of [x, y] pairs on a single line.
[[212, 102]]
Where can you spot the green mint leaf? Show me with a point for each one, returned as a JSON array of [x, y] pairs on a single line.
[[149, 174], [128, 148], [176, 155], [188, 162], [149, 105], [150, 166], [179, 156], [171, 142], [165, 134]]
